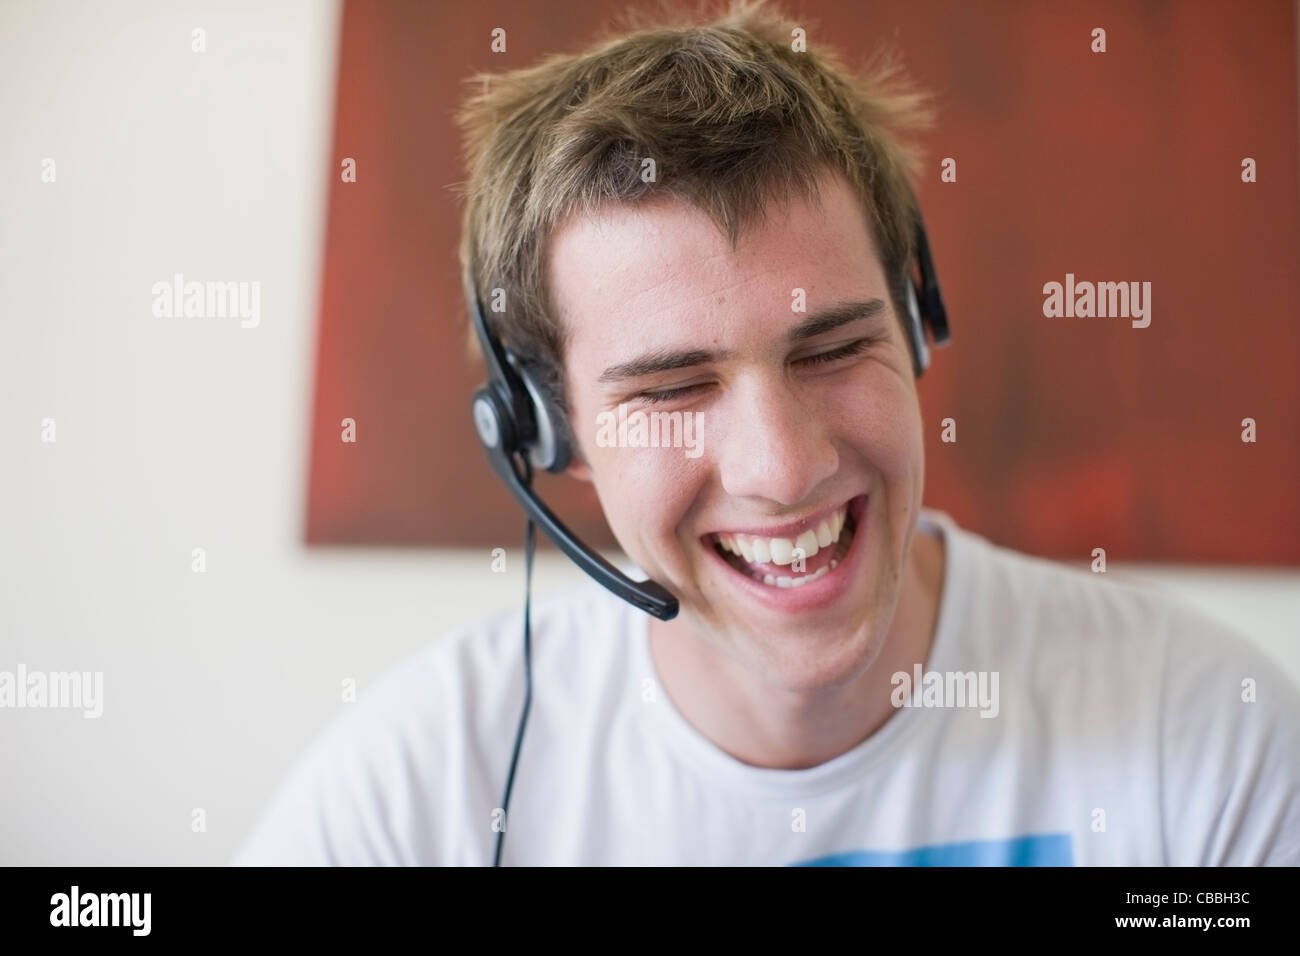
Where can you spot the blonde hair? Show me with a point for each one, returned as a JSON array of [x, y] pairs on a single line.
[[734, 118]]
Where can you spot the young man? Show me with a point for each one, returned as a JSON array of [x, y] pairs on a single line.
[[898, 690]]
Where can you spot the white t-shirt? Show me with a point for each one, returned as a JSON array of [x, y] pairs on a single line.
[[1121, 738]]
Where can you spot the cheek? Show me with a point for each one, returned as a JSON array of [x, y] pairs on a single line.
[[877, 417], [646, 493]]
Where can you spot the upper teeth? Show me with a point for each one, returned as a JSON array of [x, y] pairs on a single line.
[[781, 550]]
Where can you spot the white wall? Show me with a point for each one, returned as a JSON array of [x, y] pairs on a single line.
[[176, 434]]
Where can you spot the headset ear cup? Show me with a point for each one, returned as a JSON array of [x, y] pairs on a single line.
[[492, 421], [562, 452], [554, 448], [550, 448]]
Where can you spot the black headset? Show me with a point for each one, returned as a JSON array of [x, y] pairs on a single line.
[[522, 428], [516, 418]]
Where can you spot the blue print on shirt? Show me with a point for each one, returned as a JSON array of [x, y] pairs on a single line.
[[1049, 849]]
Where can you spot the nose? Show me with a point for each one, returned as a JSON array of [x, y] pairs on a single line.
[[773, 445]]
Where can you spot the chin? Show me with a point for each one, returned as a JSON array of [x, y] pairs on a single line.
[[800, 661]]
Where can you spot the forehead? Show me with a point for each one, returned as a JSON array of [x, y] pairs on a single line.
[[661, 274]]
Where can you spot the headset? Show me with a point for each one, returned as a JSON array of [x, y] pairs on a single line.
[[522, 428]]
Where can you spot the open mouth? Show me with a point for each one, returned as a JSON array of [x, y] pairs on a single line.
[[792, 562]]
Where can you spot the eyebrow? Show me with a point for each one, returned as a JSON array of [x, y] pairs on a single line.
[[819, 323]]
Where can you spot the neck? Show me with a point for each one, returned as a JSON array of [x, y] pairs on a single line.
[[797, 729]]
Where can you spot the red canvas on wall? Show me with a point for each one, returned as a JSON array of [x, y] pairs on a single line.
[[1071, 433]]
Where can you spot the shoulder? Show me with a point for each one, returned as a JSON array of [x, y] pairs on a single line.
[[1046, 608], [391, 780], [1016, 606], [1132, 667], [1048, 603], [1230, 755]]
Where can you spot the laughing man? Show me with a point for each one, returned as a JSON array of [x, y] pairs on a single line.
[[763, 724]]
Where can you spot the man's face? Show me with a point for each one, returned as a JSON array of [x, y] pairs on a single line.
[[787, 442]]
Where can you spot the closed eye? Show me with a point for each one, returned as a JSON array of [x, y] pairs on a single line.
[[834, 355], [844, 351]]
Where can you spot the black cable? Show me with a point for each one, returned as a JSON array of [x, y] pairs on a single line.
[[528, 681]]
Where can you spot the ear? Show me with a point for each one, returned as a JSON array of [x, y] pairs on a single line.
[[579, 469]]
